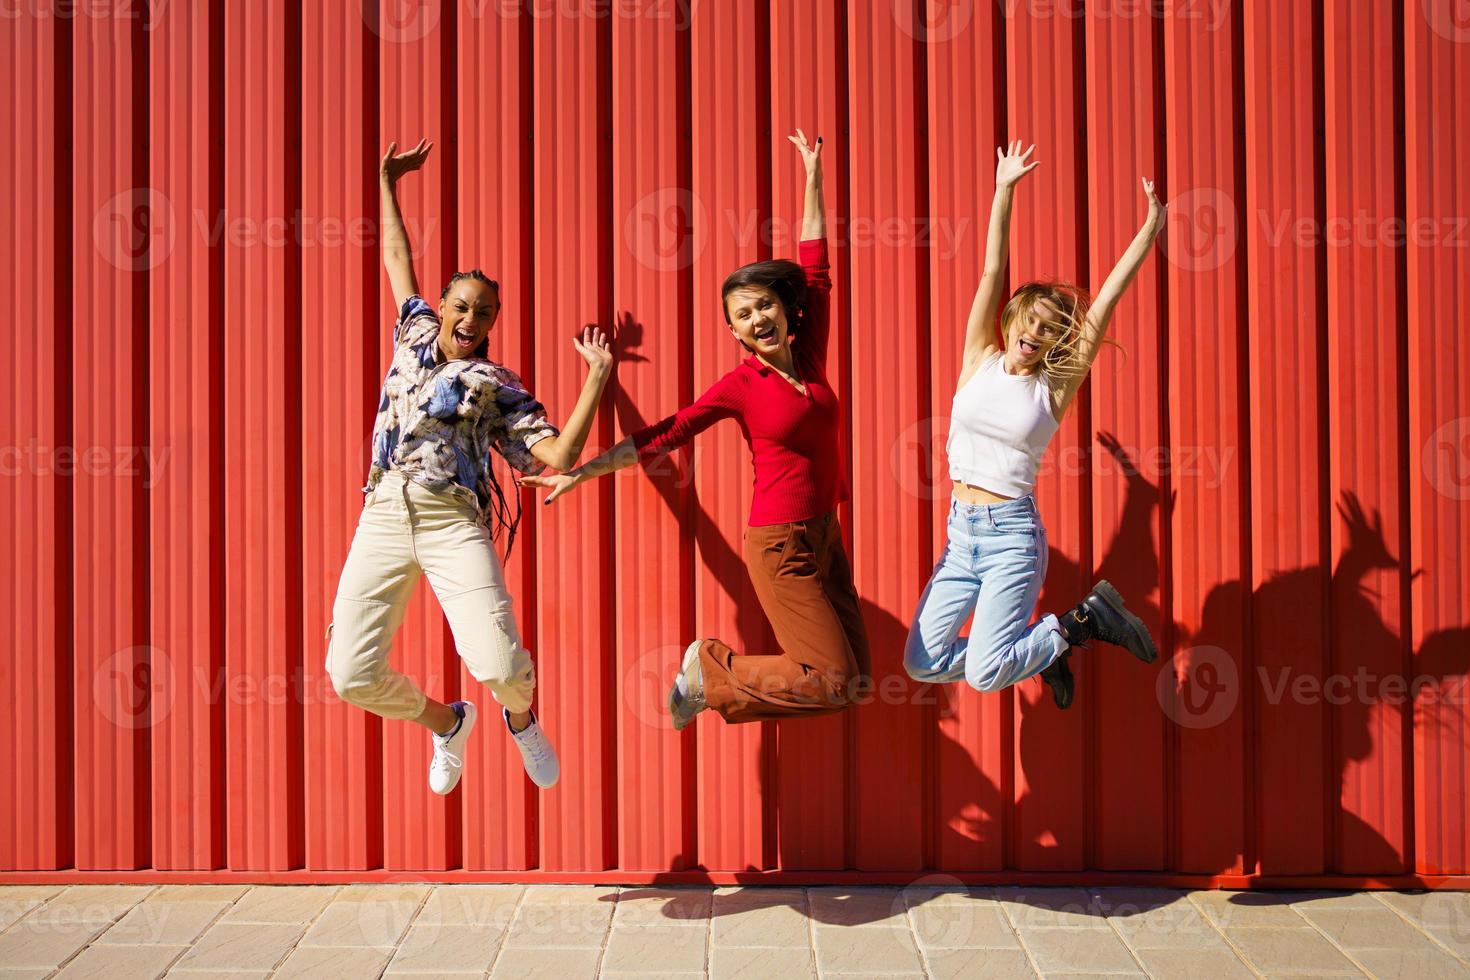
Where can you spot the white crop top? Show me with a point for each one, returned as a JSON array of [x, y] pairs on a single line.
[[999, 427]]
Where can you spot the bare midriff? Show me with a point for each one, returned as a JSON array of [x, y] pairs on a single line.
[[968, 494]]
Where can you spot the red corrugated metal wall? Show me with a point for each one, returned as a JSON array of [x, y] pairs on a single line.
[[1277, 472]]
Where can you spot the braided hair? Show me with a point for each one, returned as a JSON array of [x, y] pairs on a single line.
[[504, 516]]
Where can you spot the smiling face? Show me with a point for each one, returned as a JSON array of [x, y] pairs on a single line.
[[1039, 319], [757, 319], [466, 314], [1031, 334]]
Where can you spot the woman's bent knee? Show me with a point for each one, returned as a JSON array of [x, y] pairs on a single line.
[[918, 660]]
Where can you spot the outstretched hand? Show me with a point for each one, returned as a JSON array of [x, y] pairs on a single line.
[[811, 153], [396, 164], [595, 348], [1011, 164], [557, 483]]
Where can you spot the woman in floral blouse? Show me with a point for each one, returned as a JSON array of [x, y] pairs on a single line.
[[431, 497]]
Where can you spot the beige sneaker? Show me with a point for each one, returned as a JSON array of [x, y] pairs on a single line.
[[686, 697]]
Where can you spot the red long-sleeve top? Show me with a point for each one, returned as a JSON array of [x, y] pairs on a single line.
[[794, 438]]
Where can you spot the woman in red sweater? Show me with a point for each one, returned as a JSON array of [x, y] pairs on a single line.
[[777, 311]]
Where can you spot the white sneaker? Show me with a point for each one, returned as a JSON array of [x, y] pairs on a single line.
[[686, 697], [536, 752], [448, 760]]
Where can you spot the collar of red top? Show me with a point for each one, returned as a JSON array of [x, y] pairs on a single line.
[[759, 365]]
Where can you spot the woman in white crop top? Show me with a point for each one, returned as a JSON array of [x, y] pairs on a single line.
[[1008, 404]]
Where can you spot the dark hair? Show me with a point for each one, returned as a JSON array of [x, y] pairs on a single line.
[[784, 278], [504, 511], [475, 274]]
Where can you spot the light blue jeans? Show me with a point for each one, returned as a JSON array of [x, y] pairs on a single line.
[[994, 563]]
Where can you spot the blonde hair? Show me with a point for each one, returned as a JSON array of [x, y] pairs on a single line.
[[1064, 361]]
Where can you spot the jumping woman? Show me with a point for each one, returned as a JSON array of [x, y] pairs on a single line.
[[1007, 406], [431, 495], [791, 420]]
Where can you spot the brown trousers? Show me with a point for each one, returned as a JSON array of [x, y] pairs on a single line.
[[804, 582]]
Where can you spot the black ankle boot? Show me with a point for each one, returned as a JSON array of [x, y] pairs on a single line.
[[1058, 676], [1102, 615]]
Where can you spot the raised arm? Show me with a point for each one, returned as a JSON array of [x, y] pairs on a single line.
[[663, 436], [813, 213], [1095, 325], [621, 456], [1010, 167], [397, 252], [811, 339], [562, 451]]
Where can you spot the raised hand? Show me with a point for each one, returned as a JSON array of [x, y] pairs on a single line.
[[1156, 211], [811, 153], [1011, 164], [595, 348], [557, 483], [396, 164]]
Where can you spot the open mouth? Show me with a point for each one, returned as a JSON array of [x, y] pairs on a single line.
[[464, 338], [766, 335], [1027, 347]]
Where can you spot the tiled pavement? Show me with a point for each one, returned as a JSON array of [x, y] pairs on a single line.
[[567, 932]]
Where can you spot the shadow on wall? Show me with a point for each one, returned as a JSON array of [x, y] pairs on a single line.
[[1133, 563]]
